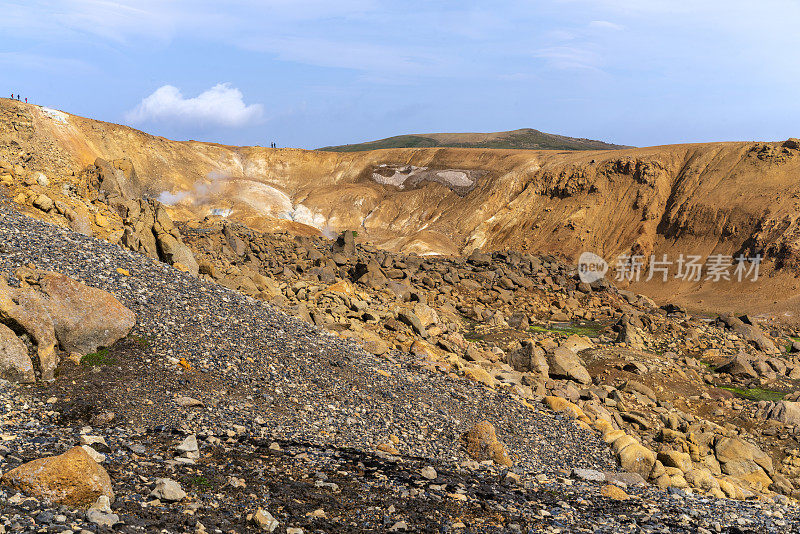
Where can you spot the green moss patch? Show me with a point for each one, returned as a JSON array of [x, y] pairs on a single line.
[[756, 394], [101, 357]]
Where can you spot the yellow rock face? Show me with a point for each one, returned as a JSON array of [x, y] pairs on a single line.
[[611, 491], [557, 404], [636, 458], [480, 375], [71, 479]]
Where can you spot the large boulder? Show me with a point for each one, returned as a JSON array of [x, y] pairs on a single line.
[[739, 366], [680, 460], [638, 387], [410, 318], [636, 458], [79, 220], [744, 461], [236, 244], [22, 310], [529, 357], [561, 405], [84, 317], [577, 343], [426, 314], [150, 230], [564, 363], [482, 444], [345, 243], [174, 251], [632, 336], [15, 364], [372, 342], [370, 274], [785, 412], [71, 479]]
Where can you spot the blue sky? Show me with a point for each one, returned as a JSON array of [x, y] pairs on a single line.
[[310, 73]]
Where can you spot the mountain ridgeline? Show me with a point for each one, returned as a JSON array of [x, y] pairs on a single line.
[[524, 139]]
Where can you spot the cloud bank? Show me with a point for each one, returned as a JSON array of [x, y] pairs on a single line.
[[222, 105]]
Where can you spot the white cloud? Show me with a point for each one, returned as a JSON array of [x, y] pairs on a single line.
[[605, 25], [569, 58], [222, 105]]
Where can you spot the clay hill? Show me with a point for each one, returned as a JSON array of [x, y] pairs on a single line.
[[698, 199], [525, 138], [203, 338]]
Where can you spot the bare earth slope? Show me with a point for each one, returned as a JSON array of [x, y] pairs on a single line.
[[525, 138], [704, 199]]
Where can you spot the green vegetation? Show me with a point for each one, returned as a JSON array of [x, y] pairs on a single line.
[[142, 341], [525, 138], [756, 394], [201, 482], [588, 330], [792, 339], [101, 357], [399, 141]]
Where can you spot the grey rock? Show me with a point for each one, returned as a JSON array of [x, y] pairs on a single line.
[[564, 363], [589, 475], [167, 489]]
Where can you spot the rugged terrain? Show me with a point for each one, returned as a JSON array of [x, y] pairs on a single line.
[[525, 138], [217, 413], [285, 379]]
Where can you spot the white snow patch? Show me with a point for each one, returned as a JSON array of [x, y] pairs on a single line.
[[455, 178], [56, 115]]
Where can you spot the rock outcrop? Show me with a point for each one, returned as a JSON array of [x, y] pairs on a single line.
[[84, 318], [55, 311]]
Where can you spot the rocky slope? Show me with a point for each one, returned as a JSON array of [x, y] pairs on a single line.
[[525, 138]]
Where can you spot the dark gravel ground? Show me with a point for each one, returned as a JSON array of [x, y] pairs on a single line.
[[265, 378], [304, 382]]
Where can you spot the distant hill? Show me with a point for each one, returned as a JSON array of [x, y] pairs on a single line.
[[525, 138]]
